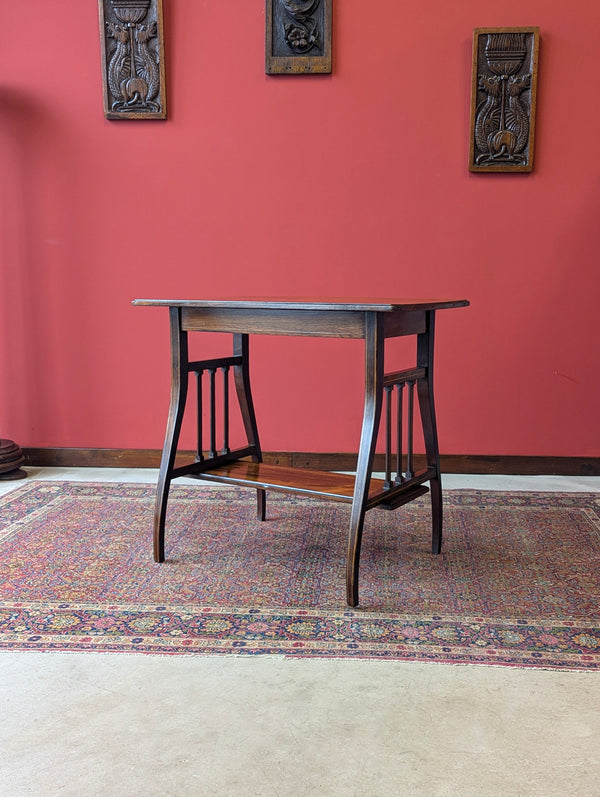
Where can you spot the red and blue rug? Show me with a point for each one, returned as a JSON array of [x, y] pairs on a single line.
[[517, 583]]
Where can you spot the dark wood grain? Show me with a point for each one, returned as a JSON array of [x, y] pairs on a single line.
[[318, 483], [260, 321]]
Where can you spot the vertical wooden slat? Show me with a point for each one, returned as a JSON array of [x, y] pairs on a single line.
[[199, 454], [225, 449], [213, 445], [399, 397], [409, 434], [388, 437]]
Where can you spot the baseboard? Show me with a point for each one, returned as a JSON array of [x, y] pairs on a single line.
[[450, 463]]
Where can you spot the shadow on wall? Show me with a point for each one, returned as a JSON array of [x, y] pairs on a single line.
[[32, 263]]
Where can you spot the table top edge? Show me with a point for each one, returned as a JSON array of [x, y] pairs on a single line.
[[306, 304]]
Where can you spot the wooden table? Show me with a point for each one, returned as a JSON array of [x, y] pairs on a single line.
[[391, 394]]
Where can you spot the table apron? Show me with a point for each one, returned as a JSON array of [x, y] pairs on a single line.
[[308, 323], [412, 322]]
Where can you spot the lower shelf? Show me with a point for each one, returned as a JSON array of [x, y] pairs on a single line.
[[317, 483], [335, 486]]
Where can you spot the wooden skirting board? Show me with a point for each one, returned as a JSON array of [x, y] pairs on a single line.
[[450, 463]]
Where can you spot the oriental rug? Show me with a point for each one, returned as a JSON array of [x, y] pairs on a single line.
[[517, 583]]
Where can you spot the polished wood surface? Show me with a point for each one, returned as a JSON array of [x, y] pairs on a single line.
[[306, 317], [318, 483], [336, 304]]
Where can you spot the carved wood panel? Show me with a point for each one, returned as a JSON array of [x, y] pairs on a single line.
[[503, 99], [133, 63], [298, 36]]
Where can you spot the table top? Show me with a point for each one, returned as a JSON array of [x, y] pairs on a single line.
[[304, 303]]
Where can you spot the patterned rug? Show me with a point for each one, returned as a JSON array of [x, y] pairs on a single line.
[[517, 583]]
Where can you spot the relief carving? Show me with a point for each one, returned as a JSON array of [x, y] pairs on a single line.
[[132, 59], [302, 34], [298, 36], [503, 99]]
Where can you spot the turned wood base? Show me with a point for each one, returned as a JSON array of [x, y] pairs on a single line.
[[11, 458]]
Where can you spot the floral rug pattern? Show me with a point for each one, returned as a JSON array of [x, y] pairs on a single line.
[[517, 583]]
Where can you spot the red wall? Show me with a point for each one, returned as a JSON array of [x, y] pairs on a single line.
[[350, 184]]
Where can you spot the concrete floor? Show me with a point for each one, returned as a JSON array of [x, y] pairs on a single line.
[[119, 725]]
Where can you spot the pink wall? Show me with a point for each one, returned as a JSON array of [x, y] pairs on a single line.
[[350, 184]]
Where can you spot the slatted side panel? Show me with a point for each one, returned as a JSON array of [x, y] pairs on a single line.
[[213, 407], [399, 408]]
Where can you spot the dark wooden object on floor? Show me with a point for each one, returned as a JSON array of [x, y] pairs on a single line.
[[11, 459], [373, 321]]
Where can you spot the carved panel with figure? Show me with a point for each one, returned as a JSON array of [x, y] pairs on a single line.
[[503, 99], [298, 36], [133, 63]]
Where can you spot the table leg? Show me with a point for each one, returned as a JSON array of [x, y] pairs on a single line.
[[425, 342], [179, 388], [244, 394], [374, 371]]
